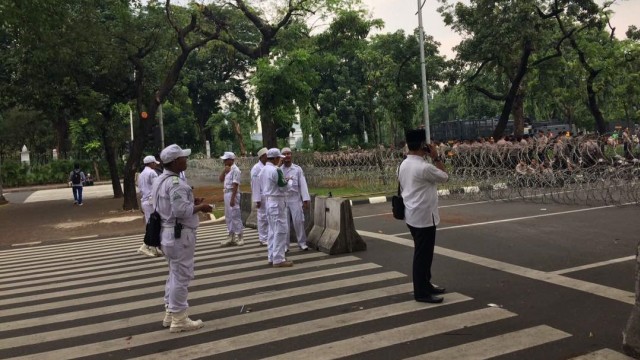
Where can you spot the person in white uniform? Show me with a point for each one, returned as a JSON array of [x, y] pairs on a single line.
[[419, 184], [145, 182], [297, 197], [178, 210], [230, 176], [256, 197], [274, 188]]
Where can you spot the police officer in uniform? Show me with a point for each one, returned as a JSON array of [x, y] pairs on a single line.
[[179, 212], [145, 183], [297, 197], [256, 197], [273, 188]]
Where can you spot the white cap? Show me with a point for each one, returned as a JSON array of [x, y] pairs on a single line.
[[284, 150], [173, 152], [274, 153], [150, 159], [262, 151], [228, 155]]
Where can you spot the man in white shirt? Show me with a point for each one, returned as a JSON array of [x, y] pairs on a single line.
[[230, 176], [419, 185], [256, 197], [145, 182], [274, 187], [297, 197]]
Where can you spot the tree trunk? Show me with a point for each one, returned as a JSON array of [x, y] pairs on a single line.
[[518, 114], [513, 91], [62, 134], [236, 130], [269, 139], [205, 134], [594, 108], [96, 171], [631, 333], [110, 154], [2, 199], [112, 162]]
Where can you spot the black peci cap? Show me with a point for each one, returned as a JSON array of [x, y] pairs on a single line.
[[415, 136]]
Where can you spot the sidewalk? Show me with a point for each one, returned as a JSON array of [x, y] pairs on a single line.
[[44, 214]]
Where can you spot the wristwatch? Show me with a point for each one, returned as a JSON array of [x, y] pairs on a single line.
[[437, 159]]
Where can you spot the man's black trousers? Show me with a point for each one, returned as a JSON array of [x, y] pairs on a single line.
[[424, 240]]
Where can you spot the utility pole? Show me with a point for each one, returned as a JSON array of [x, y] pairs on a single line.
[[425, 93]]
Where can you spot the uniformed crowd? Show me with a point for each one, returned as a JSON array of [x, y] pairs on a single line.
[[278, 189]]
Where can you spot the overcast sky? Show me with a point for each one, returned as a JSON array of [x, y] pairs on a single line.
[[402, 14]]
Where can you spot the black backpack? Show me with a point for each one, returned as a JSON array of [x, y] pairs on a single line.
[[76, 179], [152, 232], [154, 226]]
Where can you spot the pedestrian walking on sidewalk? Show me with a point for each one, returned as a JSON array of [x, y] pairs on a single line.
[[77, 179], [418, 182], [178, 210]]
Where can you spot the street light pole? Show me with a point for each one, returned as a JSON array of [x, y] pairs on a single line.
[[425, 99]]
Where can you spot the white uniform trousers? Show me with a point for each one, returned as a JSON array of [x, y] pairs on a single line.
[[180, 256], [278, 229], [263, 223], [232, 215], [147, 209], [297, 219]]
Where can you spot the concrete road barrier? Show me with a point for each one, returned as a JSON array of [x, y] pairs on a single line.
[[333, 231], [249, 213]]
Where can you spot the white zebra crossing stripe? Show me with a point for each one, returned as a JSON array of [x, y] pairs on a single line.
[[498, 345], [142, 281], [156, 317], [412, 332], [29, 265], [48, 251], [305, 328], [604, 354], [138, 266], [54, 307], [25, 323]]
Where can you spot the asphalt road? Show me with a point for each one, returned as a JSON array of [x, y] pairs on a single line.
[[524, 281]]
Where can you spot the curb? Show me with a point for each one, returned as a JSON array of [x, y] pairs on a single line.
[[444, 192]]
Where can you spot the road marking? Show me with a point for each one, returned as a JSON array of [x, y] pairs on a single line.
[[138, 282], [91, 311], [378, 340], [520, 218], [594, 265], [497, 345], [604, 354], [575, 284], [323, 324], [27, 244], [121, 291], [208, 307], [83, 237]]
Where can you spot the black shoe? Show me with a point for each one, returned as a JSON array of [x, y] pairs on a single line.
[[430, 299], [436, 290]]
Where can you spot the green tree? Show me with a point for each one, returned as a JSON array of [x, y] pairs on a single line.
[[157, 64], [270, 33], [503, 41]]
